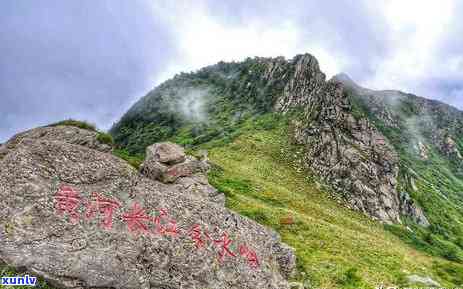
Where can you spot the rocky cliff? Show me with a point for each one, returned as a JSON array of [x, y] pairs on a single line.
[[79, 217], [343, 148], [346, 150], [427, 122]]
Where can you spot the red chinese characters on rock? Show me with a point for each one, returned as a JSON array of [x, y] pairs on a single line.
[[224, 244], [104, 206], [200, 238], [250, 255], [136, 219], [196, 235], [68, 201], [169, 229]]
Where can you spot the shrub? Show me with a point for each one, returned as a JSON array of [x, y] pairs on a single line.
[[76, 123], [351, 279], [105, 138], [134, 160]]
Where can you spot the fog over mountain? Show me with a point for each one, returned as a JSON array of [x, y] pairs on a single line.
[[92, 59]]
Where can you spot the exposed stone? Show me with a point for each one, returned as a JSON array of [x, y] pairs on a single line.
[[410, 209], [167, 162], [426, 281], [423, 149], [185, 169], [165, 153], [69, 134], [347, 151], [35, 237], [450, 148]]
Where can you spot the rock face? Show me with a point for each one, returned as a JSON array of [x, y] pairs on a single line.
[[83, 218], [449, 147], [347, 151], [426, 122], [426, 281], [69, 134], [410, 209]]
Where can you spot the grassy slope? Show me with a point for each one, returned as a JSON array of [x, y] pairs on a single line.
[[336, 247], [436, 183]]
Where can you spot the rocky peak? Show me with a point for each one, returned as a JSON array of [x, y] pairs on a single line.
[[344, 79], [65, 205], [347, 151], [303, 81]]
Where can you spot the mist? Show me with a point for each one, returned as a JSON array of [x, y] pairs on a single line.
[[191, 104]]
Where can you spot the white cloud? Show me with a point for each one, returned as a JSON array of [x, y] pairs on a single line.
[[203, 40], [388, 44], [416, 29]]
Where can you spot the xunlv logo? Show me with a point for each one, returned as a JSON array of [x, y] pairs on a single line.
[[18, 280]]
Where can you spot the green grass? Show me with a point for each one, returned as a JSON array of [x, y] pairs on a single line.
[[133, 160], [105, 138], [8, 271], [76, 123], [260, 174]]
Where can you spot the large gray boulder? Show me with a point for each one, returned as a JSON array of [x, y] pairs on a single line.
[[82, 218]]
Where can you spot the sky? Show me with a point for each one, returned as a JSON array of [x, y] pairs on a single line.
[[92, 59]]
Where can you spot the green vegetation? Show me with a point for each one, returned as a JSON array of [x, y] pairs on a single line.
[[76, 123], [7, 271], [259, 172], [133, 160], [195, 108], [436, 183], [105, 138], [226, 109]]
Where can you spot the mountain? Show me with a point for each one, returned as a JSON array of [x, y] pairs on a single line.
[[392, 156], [212, 102], [428, 138], [283, 180]]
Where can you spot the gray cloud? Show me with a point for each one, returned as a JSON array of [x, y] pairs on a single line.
[[81, 59], [350, 30], [91, 59]]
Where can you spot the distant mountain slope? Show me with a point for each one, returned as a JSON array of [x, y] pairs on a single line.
[[370, 147], [336, 247], [428, 136]]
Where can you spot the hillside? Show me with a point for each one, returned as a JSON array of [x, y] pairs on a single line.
[[428, 136], [336, 247], [394, 159]]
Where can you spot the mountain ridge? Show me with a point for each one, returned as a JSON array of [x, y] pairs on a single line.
[[365, 147], [297, 83]]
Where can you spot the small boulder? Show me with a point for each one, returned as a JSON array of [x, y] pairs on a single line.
[[166, 162], [185, 169], [427, 281], [166, 153]]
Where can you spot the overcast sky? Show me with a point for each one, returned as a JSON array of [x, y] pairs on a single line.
[[91, 59]]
